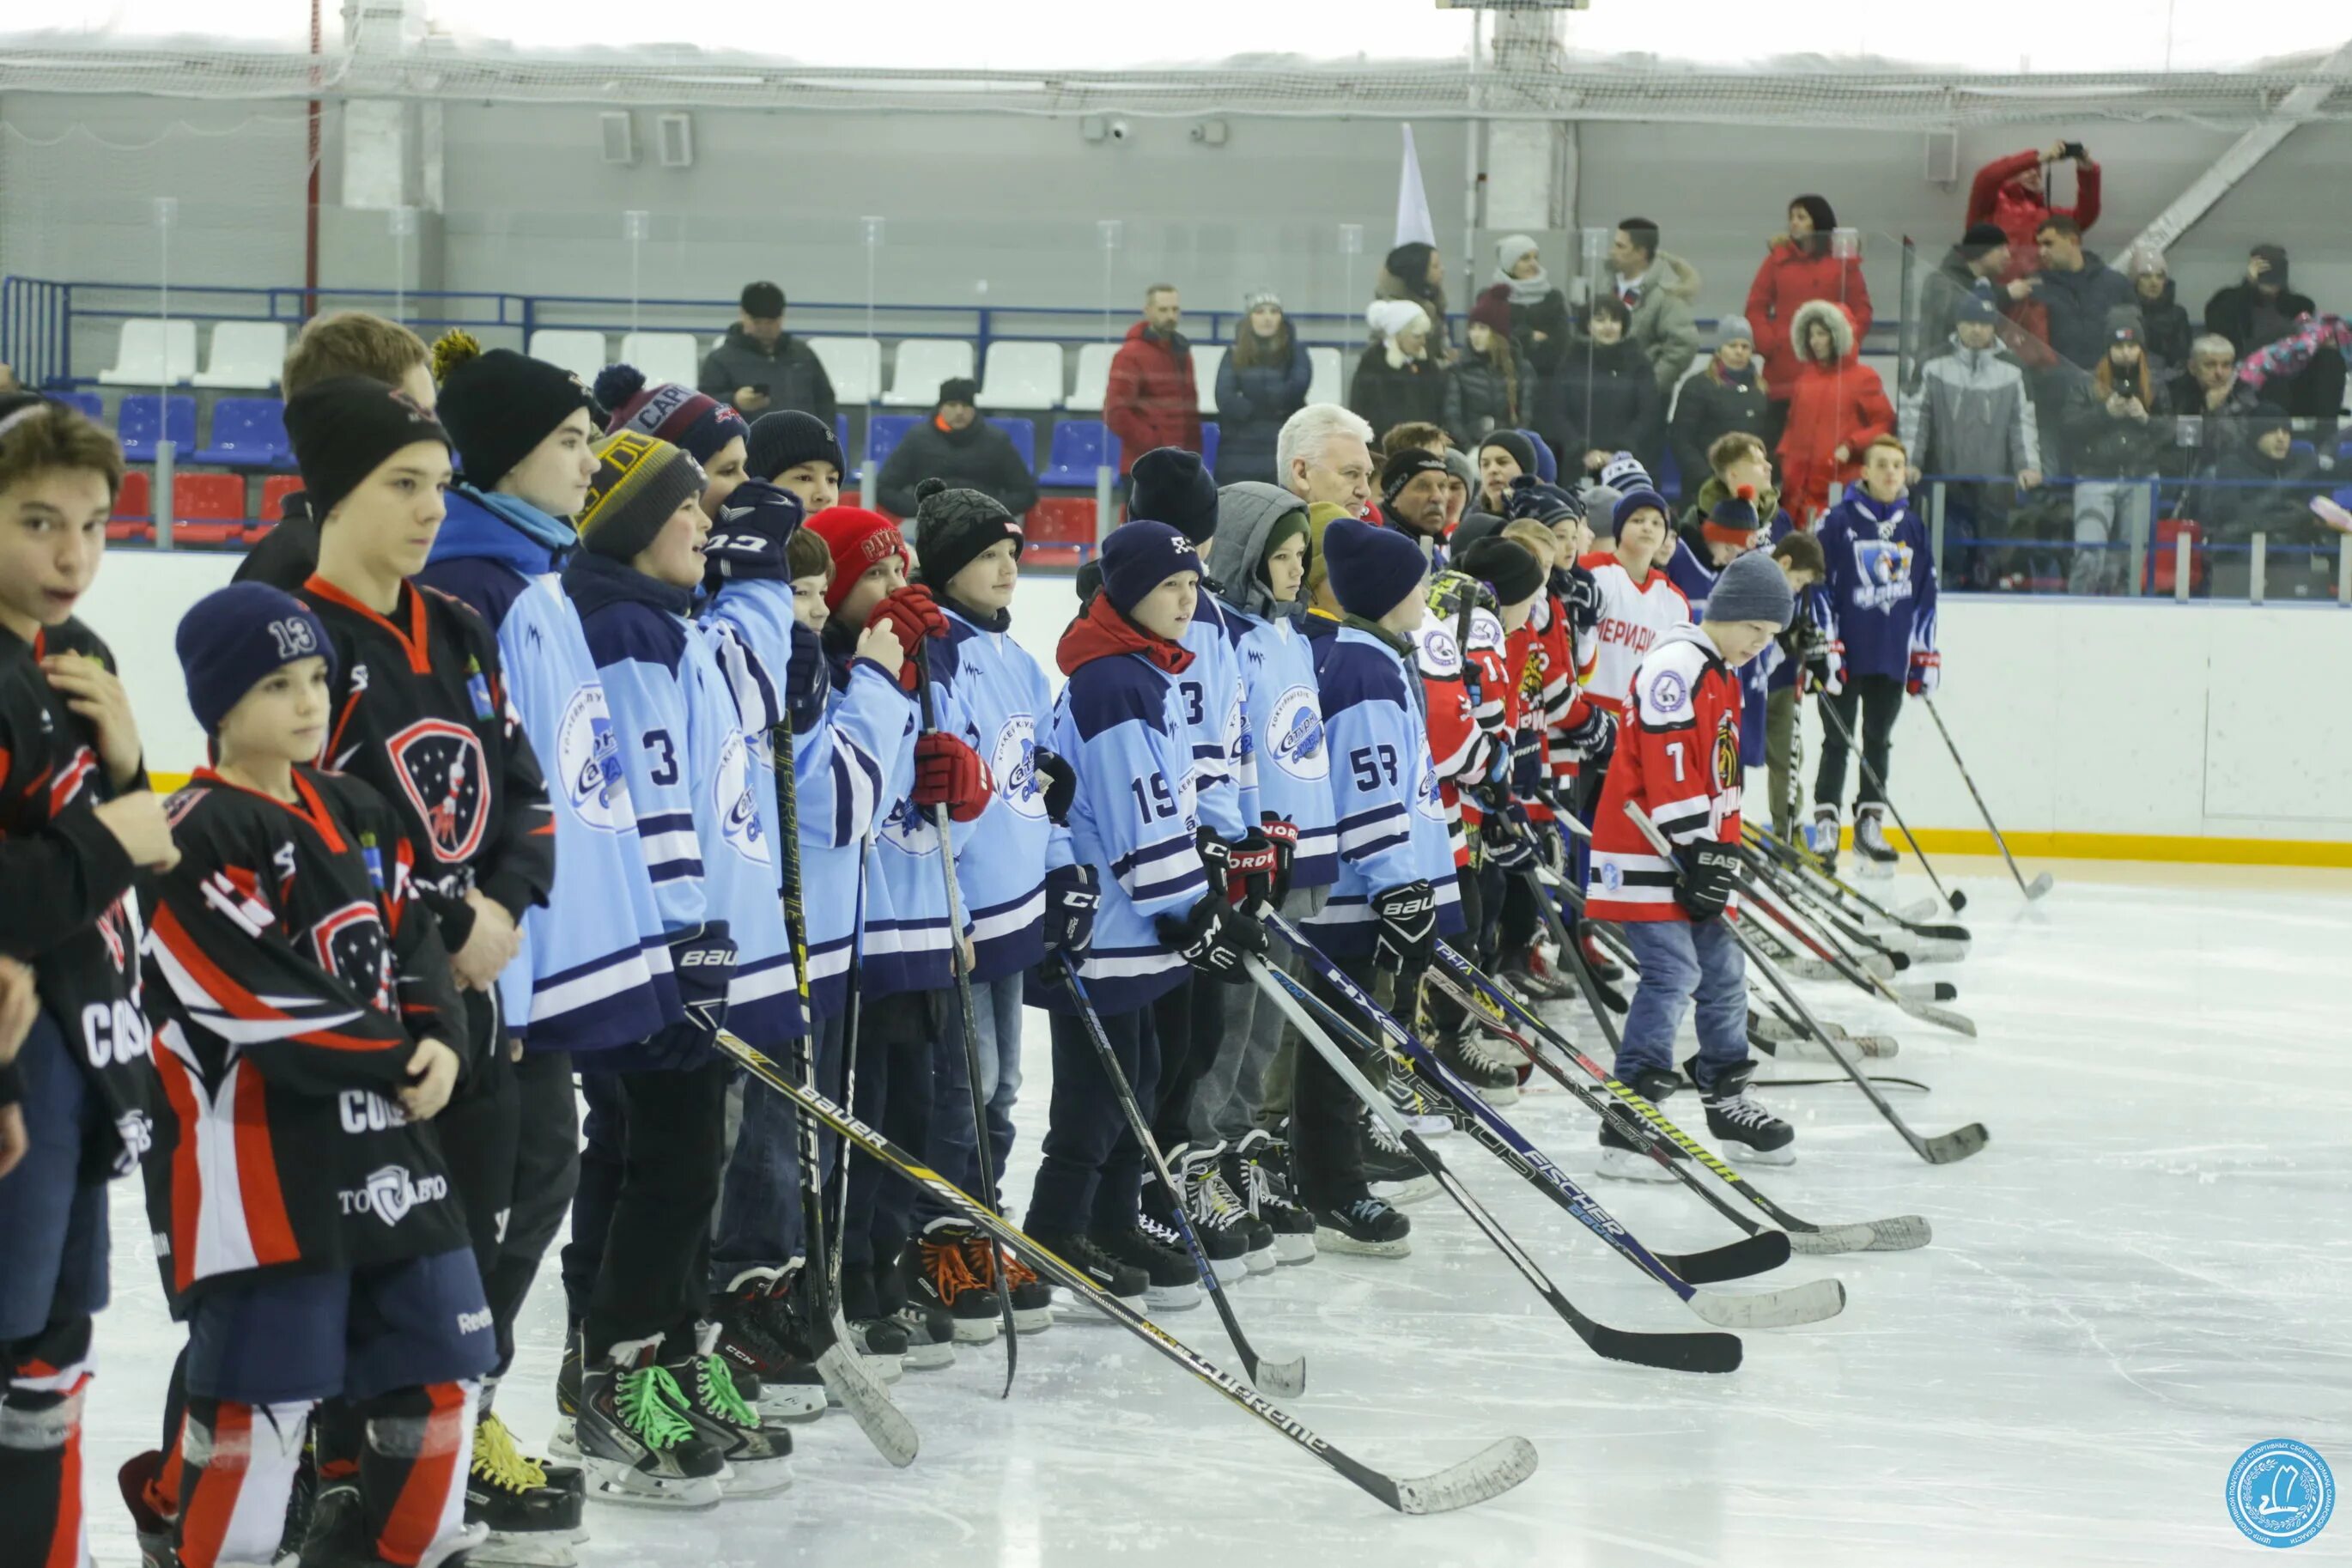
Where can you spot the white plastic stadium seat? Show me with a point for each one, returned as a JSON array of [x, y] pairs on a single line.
[[854, 366], [581, 352], [1022, 375], [1328, 384], [1093, 378], [151, 353], [923, 364], [1206, 358], [245, 354], [663, 356]]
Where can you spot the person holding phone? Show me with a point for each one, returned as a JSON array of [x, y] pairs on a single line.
[[2015, 193], [757, 365]]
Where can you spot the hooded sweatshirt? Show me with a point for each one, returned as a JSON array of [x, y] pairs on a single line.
[[1285, 714]]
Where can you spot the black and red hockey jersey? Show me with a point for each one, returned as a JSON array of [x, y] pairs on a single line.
[[421, 713], [68, 903], [291, 971]]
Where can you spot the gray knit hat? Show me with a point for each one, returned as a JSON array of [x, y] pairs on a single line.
[[1733, 329], [1752, 588]]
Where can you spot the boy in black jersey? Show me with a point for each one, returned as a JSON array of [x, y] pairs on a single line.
[[77, 827], [303, 1210]]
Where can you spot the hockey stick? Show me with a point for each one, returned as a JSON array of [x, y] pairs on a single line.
[[852, 1008], [957, 961], [1942, 1150], [1899, 949], [2040, 884], [1900, 1234], [1671, 1351], [846, 1377], [1288, 1378], [1486, 1474], [1808, 867], [1955, 901], [1770, 899]]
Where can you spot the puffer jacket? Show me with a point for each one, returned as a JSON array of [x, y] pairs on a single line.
[[1476, 400], [1615, 408], [2078, 303], [790, 370], [1712, 405], [2104, 446], [1971, 413], [1151, 400], [1839, 403], [1792, 275], [2166, 328], [1252, 404], [1388, 395]]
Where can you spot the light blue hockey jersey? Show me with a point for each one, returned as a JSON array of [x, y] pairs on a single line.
[[696, 782], [1384, 790], [1209, 695], [904, 944], [1002, 696], [1288, 741]]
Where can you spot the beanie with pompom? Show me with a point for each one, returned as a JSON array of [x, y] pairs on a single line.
[[687, 419], [499, 405], [953, 528]]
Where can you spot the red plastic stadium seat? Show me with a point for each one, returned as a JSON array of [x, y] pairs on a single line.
[[129, 530], [1062, 519], [131, 499], [274, 492], [209, 497], [2170, 530]]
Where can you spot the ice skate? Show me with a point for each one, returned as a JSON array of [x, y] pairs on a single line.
[[635, 1440], [1749, 1132], [1366, 1227], [757, 1450], [1265, 1166]]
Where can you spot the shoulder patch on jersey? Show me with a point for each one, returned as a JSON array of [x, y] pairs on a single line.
[[1668, 692], [1441, 657]]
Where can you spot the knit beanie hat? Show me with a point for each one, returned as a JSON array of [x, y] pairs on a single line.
[[858, 539], [499, 404], [1509, 249], [1141, 555], [680, 415], [1402, 468], [1734, 518], [1458, 464], [1601, 508], [1981, 237], [1733, 329], [1259, 297], [954, 527], [1390, 317], [1492, 310], [1372, 570], [1530, 497], [1979, 306], [1752, 589], [1515, 443], [343, 428], [1409, 264], [1474, 527], [1320, 516], [233, 637], [640, 481], [752, 537], [1634, 500], [1505, 565], [958, 389], [1624, 471], [787, 438], [1169, 485], [2123, 324], [1547, 466]]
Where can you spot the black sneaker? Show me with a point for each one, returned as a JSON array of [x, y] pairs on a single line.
[[756, 1449], [955, 1272], [1747, 1132], [1173, 1283], [1367, 1227], [1109, 1275], [1262, 1163]]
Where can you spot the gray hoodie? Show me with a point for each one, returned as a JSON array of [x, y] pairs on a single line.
[[1247, 514]]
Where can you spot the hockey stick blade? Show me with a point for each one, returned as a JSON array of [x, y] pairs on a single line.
[[1911, 914], [1902, 1234], [1928, 991], [1474, 1480], [1739, 1260], [1786, 1309], [1942, 1017], [884, 1425], [1952, 1147], [2040, 886], [1936, 949]]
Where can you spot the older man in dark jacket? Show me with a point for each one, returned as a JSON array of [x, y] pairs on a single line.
[[957, 445], [759, 366]]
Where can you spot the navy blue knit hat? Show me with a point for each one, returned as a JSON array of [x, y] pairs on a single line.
[[233, 637], [1530, 497], [1634, 500], [1141, 555], [787, 438], [1169, 485], [1372, 570]]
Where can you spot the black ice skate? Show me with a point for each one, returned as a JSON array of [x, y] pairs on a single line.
[[757, 1341], [1870, 834], [1263, 1165], [532, 1517], [1821, 838], [1171, 1283], [1225, 1243], [1366, 1227], [1622, 1158], [1212, 1202], [1749, 1132], [635, 1440], [955, 1279], [757, 1450], [1109, 1275]]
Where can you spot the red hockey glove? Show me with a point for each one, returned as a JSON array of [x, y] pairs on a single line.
[[1251, 866], [949, 773], [1927, 670], [911, 616]]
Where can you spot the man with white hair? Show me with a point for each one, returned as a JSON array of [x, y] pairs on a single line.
[[1325, 454]]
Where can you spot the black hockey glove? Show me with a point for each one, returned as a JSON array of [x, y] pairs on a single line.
[[1216, 859], [1213, 940], [1594, 736], [1707, 873], [1058, 782], [1508, 837], [808, 680], [1250, 869], [1582, 601], [1283, 834], [1072, 895], [1407, 937], [701, 962]]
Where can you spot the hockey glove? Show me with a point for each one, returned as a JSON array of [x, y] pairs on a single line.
[[1283, 834], [701, 961], [1213, 940], [1058, 782], [1508, 837], [1591, 737], [1071, 897], [1407, 936], [808, 680], [747, 541], [1582, 601], [949, 773], [1706, 872], [1216, 859], [1927, 672], [911, 616]]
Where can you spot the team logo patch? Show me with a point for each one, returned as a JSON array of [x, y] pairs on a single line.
[[1725, 754], [1425, 796], [1611, 877], [1669, 693], [350, 945], [445, 774], [1294, 738], [737, 806], [1439, 655], [1015, 764], [588, 762]]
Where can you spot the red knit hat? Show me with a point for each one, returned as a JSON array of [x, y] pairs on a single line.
[[1492, 310], [858, 539]]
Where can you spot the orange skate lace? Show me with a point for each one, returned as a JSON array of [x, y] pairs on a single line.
[[949, 1264]]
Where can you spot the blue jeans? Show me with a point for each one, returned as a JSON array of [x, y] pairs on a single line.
[[759, 1220], [1682, 963], [955, 1153]]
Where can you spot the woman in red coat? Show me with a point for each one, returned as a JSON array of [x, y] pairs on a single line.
[[1798, 268], [1836, 407]]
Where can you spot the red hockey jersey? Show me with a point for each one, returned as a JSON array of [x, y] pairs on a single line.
[[291, 974], [1678, 759]]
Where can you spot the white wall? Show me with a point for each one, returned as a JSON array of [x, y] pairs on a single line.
[[2085, 717]]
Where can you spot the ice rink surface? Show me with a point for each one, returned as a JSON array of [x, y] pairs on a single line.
[[2144, 1273]]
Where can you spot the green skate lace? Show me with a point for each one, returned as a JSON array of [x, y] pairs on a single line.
[[651, 1401], [719, 1384]]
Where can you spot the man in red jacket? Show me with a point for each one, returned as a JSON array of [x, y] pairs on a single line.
[[2014, 192], [1151, 400]]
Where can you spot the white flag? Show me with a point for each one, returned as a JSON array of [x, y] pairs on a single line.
[[1413, 202]]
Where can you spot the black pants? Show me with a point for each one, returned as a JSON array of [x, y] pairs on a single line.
[[1326, 1118], [546, 1174], [478, 1129], [643, 1273], [1190, 1023], [1090, 1172], [1479, 909], [893, 1094], [1879, 699]]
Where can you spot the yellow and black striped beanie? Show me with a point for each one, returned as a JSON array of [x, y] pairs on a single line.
[[640, 481]]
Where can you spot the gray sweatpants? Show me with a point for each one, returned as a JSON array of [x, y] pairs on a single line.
[[1231, 1096]]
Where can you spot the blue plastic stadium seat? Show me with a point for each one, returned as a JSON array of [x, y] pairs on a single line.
[[248, 432], [2301, 447], [145, 418], [1669, 476], [91, 406], [1078, 449], [885, 431], [1022, 432], [1209, 444]]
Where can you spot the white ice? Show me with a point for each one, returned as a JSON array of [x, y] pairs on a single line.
[[2144, 1273]]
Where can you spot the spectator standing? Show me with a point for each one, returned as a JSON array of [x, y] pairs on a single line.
[[1397, 380], [1971, 414], [2161, 315], [2259, 311], [1611, 399], [2078, 289], [955, 444], [2013, 193], [1539, 327], [1798, 267], [2115, 439], [1657, 290], [2210, 404], [1415, 272], [1726, 397], [1838, 408], [1981, 258], [1151, 400], [757, 365], [1325, 457], [1262, 383], [1488, 387]]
